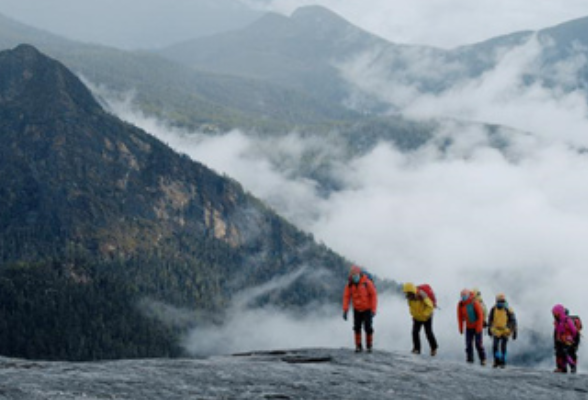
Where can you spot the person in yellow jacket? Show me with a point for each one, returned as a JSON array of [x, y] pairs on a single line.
[[502, 324], [421, 307]]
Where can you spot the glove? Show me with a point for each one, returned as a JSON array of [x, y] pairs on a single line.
[[490, 332], [461, 332], [345, 315], [514, 335], [373, 314]]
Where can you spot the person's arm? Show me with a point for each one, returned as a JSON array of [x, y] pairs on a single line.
[[373, 296], [490, 321], [346, 298], [459, 319], [480, 317], [428, 308], [512, 318]]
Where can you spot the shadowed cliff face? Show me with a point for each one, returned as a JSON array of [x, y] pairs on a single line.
[[96, 216], [296, 374]]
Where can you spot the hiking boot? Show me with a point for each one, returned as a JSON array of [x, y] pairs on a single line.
[[496, 364], [358, 349], [560, 371], [433, 352], [369, 349], [573, 369], [483, 363], [415, 351]]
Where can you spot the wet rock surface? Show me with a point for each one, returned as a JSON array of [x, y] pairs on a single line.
[[284, 374]]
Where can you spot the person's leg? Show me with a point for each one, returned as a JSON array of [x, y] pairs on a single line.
[[431, 336], [479, 338], [570, 357], [496, 351], [369, 330], [416, 339], [560, 358], [469, 338], [503, 345], [574, 355], [357, 322]]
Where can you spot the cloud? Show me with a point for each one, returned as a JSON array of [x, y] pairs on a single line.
[[442, 23], [498, 209], [501, 95], [248, 329]]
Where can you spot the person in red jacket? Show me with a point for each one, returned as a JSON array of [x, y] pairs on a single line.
[[470, 311], [361, 291]]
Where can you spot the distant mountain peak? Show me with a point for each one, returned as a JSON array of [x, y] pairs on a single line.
[[318, 15], [306, 12], [26, 50], [37, 82]]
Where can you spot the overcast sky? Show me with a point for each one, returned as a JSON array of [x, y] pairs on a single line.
[[130, 24], [443, 23], [153, 23]]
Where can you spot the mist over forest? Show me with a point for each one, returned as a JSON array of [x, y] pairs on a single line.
[[447, 158]]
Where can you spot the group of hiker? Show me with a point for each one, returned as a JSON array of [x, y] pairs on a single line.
[[472, 317]]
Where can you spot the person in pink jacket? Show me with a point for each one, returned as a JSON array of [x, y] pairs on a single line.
[[564, 336]]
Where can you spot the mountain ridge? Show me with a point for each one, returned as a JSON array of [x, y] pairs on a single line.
[[170, 91], [89, 202], [282, 50], [335, 60]]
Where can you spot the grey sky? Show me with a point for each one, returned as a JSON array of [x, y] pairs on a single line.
[[130, 23], [156, 23]]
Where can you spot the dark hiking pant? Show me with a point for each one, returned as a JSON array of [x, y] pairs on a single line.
[[565, 355], [472, 337], [363, 318], [499, 350], [416, 334]]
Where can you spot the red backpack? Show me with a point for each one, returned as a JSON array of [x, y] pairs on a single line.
[[429, 291], [578, 323]]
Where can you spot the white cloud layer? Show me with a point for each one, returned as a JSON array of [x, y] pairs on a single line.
[[512, 220], [501, 95]]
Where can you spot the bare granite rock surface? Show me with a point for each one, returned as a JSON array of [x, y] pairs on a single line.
[[289, 374]]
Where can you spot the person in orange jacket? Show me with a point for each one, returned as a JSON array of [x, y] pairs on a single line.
[[470, 312], [361, 291]]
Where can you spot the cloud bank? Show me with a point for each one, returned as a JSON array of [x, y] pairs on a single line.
[[505, 212]]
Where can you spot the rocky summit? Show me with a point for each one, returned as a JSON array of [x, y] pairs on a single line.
[[289, 374]]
